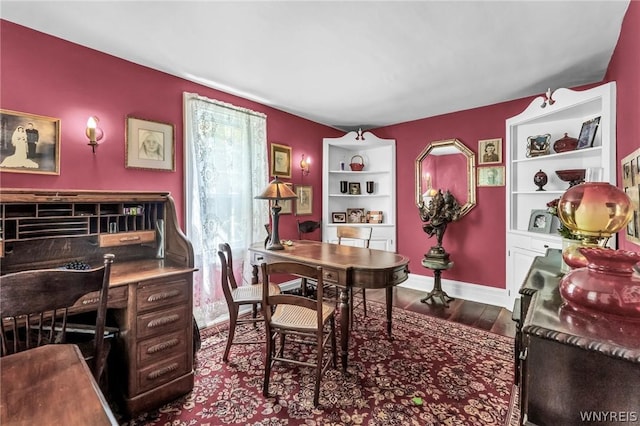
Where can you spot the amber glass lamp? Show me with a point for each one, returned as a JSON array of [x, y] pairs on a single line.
[[595, 211], [275, 191]]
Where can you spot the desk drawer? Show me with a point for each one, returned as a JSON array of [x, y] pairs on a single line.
[[126, 238], [162, 347], [117, 299], [330, 275], [159, 294], [162, 372], [163, 322]]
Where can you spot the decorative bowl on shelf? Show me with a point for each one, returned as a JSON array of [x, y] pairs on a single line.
[[566, 143], [573, 176]]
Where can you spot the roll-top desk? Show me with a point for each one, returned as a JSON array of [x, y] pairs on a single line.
[[574, 368], [150, 291]]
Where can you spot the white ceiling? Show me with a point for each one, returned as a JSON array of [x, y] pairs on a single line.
[[349, 64]]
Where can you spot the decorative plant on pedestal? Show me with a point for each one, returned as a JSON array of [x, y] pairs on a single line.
[[441, 210]]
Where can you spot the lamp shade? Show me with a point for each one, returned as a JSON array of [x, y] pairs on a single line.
[[595, 209], [276, 190]]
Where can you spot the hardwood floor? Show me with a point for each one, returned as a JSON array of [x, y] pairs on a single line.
[[479, 315]]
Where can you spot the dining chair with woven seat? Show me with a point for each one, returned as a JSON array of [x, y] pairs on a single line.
[[363, 236], [238, 296], [312, 321], [35, 309]]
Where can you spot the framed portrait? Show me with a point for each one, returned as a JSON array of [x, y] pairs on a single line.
[[538, 145], [491, 176], [588, 133], [29, 143], [339, 217], [374, 216], [286, 206], [280, 160], [304, 202], [355, 215], [150, 145], [631, 184], [540, 221], [490, 151], [354, 188]]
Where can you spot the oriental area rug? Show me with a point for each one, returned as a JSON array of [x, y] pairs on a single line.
[[432, 372]]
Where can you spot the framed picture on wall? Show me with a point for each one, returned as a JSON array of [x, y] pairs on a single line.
[[490, 151], [149, 145], [304, 202], [280, 160], [491, 176], [29, 143]]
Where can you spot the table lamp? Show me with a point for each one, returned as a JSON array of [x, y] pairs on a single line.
[[276, 190], [594, 211]]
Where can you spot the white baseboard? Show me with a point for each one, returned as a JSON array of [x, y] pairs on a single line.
[[461, 290], [457, 289]]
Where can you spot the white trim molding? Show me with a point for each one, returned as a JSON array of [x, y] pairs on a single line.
[[461, 290]]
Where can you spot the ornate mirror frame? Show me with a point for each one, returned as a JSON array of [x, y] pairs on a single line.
[[450, 146]]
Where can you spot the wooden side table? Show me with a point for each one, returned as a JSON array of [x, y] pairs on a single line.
[[437, 266]]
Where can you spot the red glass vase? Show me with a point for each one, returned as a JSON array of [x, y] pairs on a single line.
[[607, 285]]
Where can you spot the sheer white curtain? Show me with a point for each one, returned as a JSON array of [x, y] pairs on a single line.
[[225, 167]]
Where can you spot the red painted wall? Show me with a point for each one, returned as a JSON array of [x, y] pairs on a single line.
[[476, 242], [45, 75], [624, 68], [71, 82]]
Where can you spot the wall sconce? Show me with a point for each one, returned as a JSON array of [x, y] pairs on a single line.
[[304, 165], [93, 132]]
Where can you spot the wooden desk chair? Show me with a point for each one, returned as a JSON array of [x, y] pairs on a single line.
[[307, 227], [34, 307], [297, 316], [237, 297], [362, 234]]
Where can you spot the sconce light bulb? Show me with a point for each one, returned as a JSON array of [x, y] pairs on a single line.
[[93, 132], [304, 165]]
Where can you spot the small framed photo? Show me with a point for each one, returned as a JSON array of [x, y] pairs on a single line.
[[491, 176], [286, 206], [29, 143], [540, 221], [490, 151], [374, 216], [538, 145], [588, 133], [354, 188], [150, 145], [355, 215], [339, 217], [280, 160], [304, 202]]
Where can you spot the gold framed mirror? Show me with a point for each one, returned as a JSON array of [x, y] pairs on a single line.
[[447, 165]]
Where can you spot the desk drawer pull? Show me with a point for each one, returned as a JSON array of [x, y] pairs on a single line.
[[159, 373], [163, 321], [133, 238], [163, 296], [162, 346]]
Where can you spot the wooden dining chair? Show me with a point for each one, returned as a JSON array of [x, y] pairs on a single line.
[[307, 227], [238, 296], [363, 235], [35, 309], [312, 321]]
